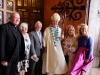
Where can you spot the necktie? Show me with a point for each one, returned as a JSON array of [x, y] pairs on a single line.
[[39, 36], [39, 33]]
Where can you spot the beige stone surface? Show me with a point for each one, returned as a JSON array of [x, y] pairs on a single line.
[[95, 71]]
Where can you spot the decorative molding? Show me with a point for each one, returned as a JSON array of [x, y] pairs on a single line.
[[68, 9]]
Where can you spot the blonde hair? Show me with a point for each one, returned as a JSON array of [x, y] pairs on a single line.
[[83, 25], [55, 16], [67, 29], [24, 24]]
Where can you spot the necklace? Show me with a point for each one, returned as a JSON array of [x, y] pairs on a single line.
[[55, 34]]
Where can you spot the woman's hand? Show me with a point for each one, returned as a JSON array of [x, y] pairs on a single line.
[[66, 48], [86, 61], [62, 36]]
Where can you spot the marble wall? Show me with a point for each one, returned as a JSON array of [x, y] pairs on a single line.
[[94, 31]]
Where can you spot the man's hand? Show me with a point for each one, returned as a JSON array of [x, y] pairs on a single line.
[[4, 63], [35, 56]]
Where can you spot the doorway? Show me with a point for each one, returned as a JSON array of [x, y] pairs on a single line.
[[30, 11]]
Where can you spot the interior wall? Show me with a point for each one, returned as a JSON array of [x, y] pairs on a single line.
[[94, 31], [48, 13]]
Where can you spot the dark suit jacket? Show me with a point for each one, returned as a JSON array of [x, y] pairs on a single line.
[[9, 43], [35, 43]]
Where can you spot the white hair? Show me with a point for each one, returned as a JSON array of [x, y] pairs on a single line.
[[23, 25], [38, 23], [55, 16]]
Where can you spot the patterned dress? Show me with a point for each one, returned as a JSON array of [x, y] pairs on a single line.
[[71, 43], [23, 65]]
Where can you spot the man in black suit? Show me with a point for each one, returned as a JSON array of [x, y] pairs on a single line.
[[36, 49], [11, 45], [0, 44]]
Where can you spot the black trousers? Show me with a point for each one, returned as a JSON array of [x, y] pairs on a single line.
[[11, 68], [0, 69], [36, 67]]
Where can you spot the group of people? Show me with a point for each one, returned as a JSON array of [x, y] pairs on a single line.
[[51, 53], [17, 46]]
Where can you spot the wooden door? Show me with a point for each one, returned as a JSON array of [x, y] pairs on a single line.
[[30, 11]]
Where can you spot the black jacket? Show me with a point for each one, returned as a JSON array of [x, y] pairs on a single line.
[[11, 44]]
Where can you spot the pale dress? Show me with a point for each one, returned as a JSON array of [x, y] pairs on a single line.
[[54, 61]]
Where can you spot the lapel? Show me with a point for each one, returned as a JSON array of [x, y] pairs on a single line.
[[13, 31], [37, 37], [41, 37]]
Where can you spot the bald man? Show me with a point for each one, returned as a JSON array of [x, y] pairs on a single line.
[[11, 45]]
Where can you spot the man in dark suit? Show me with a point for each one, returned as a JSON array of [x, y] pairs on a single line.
[[11, 45], [36, 49], [0, 44]]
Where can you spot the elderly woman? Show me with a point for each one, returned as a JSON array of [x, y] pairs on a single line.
[[55, 61], [84, 56], [23, 65], [70, 46]]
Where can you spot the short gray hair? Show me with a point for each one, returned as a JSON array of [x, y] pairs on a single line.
[[24, 24], [38, 22]]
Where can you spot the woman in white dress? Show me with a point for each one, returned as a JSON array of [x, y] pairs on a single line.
[[54, 58], [23, 65]]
